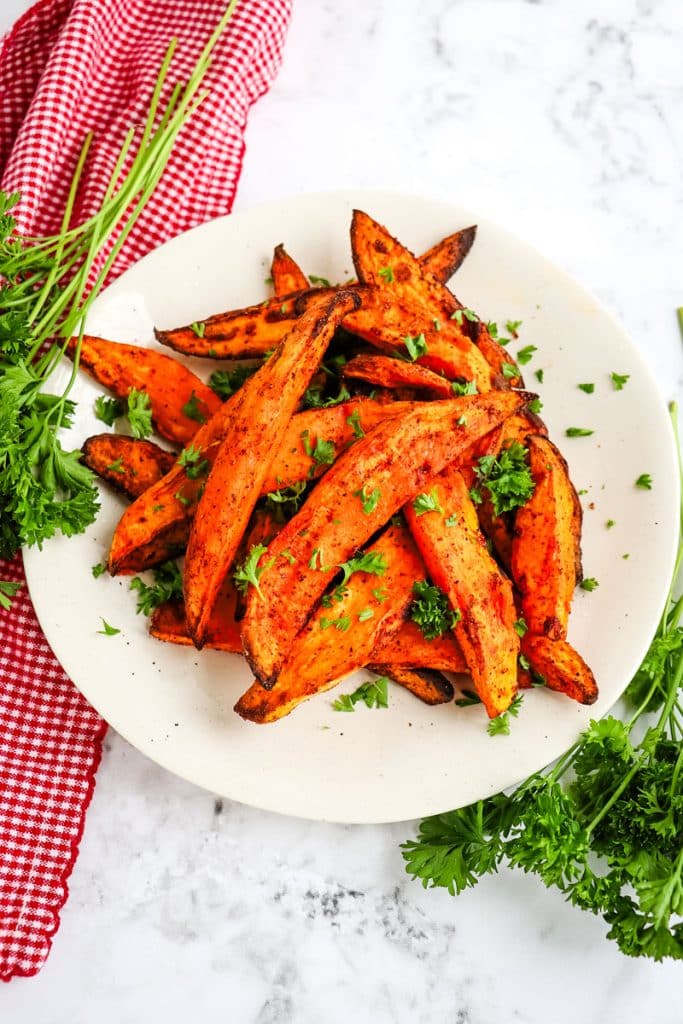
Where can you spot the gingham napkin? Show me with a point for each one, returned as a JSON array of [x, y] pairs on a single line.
[[68, 67]]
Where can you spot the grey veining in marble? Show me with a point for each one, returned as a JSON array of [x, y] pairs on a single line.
[[563, 121]]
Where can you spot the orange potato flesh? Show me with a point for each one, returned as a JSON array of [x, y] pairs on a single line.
[[316, 662], [394, 373], [408, 646], [395, 459], [130, 465], [264, 406], [546, 546], [444, 258], [562, 668], [458, 562], [287, 275], [168, 384]]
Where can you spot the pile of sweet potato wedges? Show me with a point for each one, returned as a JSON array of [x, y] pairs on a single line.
[[375, 486]]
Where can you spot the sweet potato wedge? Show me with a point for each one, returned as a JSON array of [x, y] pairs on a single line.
[[391, 462], [546, 549], [426, 684], [408, 646], [169, 385], [394, 373], [130, 465], [287, 275], [265, 404], [170, 505], [239, 333], [563, 669], [444, 258], [168, 622], [376, 251], [459, 563], [385, 319], [316, 662]]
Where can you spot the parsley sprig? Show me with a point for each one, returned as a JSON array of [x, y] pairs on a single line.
[[506, 478], [47, 285], [604, 825]]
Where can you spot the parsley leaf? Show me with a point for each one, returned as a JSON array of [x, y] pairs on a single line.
[[469, 314], [469, 699], [368, 501], [8, 589], [588, 388], [424, 503], [590, 583], [139, 413], [416, 346], [578, 432], [539, 375], [464, 387], [354, 422], [509, 370], [323, 453], [373, 694], [644, 481], [198, 328], [108, 410], [372, 562], [525, 354], [192, 410], [431, 610], [387, 275], [190, 459], [314, 397], [226, 382], [250, 572], [315, 279], [619, 380], [167, 586], [98, 570], [286, 502], [507, 479], [107, 630]]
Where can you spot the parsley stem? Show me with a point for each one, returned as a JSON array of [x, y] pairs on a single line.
[[617, 793]]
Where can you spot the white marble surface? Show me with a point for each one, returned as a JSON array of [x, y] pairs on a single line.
[[563, 121]]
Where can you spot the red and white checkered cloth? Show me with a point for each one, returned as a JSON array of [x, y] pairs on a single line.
[[68, 67]]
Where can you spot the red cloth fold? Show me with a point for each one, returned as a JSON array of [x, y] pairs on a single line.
[[66, 68]]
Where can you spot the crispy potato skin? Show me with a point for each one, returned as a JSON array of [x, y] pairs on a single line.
[[562, 667], [408, 646], [546, 545], [287, 275], [315, 662], [168, 384], [396, 458], [457, 561], [426, 684], [239, 333], [143, 463], [393, 373], [159, 509], [266, 403], [168, 622], [444, 258]]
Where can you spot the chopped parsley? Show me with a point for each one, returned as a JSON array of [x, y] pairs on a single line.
[[644, 481], [431, 610], [108, 410], [322, 453], [507, 478], [250, 571], [525, 354], [285, 502], [589, 584], [315, 279], [314, 397], [500, 725], [469, 314], [380, 594], [365, 614], [464, 387], [192, 411], [535, 406], [372, 562], [354, 422], [469, 699], [452, 520], [98, 569], [416, 346], [368, 501], [619, 379], [387, 275], [167, 586], [513, 326], [578, 432], [424, 503], [520, 627], [610, 523], [588, 388], [107, 630], [139, 413], [194, 466], [509, 370], [374, 694], [198, 328], [226, 382], [116, 466], [539, 375]]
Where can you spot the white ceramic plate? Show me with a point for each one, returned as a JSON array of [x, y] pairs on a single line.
[[175, 704]]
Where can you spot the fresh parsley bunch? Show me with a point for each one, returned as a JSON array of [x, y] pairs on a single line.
[[46, 287], [604, 825]]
